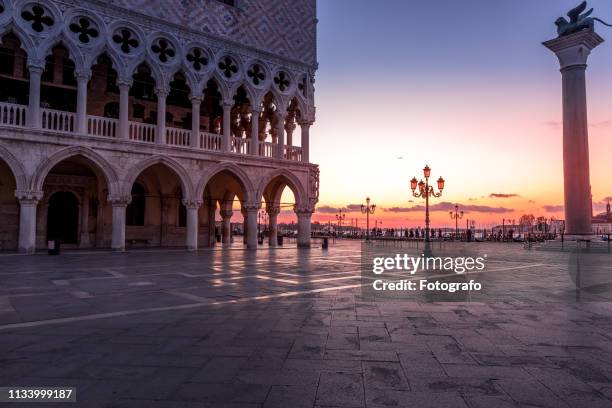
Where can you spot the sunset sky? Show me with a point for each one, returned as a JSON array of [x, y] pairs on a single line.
[[464, 86]]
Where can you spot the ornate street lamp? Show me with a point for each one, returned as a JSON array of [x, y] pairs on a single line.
[[426, 191], [456, 215], [340, 217], [367, 210]]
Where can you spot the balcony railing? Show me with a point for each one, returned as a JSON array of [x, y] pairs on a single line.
[[178, 137], [240, 145], [58, 121], [105, 127], [12, 115], [66, 122]]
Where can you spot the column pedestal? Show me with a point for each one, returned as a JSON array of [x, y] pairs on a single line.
[[572, 52]]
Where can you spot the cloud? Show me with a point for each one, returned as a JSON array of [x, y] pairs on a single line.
[[553, 124], [531, 202], [447, 206], [553, 208], [326, 209], [603, 124], [606, 199], [503, 195]]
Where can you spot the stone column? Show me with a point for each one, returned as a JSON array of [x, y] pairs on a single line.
[[33, 115], [81, 113], [196, 101], [290, 127], [305, 126], [273, 225], [160, 132], [572, 52], [119, 205], [191, 239], [245, 225], [84, 238], [124, 109], [28, 201], [226, 144], [255, 131], [304, 217], [212, 209], [226, 226], [251, 232], [280, 135]]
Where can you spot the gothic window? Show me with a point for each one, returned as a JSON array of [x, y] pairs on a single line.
[[111, 110], [48, 73], [228, 66], [138, 111], [39, 18], [302, 86], [281, 80], [7, 61], [257, 74], [68, 72], [84, 30], [197, 58], [163, 49], [135, 211], [126, 40], [143, 86]]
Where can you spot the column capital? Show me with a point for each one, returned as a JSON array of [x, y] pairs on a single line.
[[227, 104], [226, 213], [29, 196], [196, 98], [280, 113], [574, 49], [119, 201], [251, 207], [257, 109], [306, 122], [162, 91], [192, 204], [36, 65], [82, 74], [121, 82], [304, 211], [273, 210]]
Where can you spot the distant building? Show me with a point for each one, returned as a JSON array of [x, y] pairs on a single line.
[[602, 223]]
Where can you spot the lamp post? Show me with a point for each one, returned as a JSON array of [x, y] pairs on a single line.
[[456, 215], [426, 191], [367, 210], [341, 216]]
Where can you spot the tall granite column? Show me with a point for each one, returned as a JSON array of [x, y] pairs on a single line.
[[572, 51]]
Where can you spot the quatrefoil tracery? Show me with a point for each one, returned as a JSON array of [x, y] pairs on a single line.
[[84, 30], [38, 17], [126, 40], [163, 49]]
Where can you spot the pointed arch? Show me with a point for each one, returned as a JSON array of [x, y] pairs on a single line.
[[173, 165], [100, 162], [235, 170], [289, 179], [156, 72], [21, 180], [91, 60], [224, 90], [74, 53], [26, 42]]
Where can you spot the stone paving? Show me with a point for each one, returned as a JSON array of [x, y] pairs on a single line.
[[288, 328]]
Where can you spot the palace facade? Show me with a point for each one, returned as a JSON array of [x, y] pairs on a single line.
[[140, 123]]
